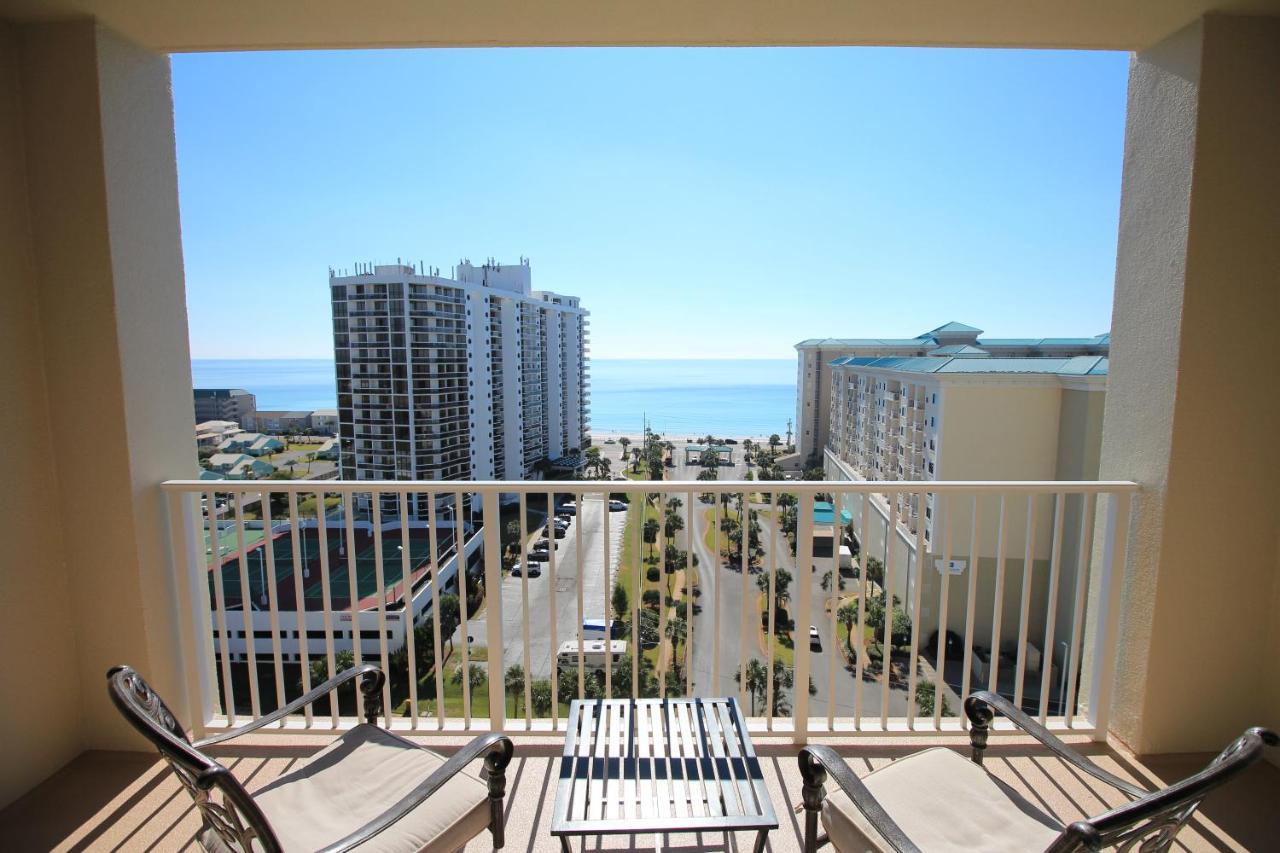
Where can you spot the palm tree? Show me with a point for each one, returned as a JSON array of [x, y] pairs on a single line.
[[774, 441], [677, 633], [847, 615], [650, 530], [513, 682], [673, 524], [757, 682], [475, 677], [626, 446]]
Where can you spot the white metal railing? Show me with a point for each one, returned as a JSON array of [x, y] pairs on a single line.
[[990, 592]]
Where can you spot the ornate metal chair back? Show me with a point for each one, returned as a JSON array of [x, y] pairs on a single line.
[[1149, 824], [235, 821]]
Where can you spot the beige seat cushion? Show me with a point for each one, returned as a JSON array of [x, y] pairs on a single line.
[[943, 802], [359, 776]]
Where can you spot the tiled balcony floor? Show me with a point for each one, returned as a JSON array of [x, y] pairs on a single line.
[[128, 801]]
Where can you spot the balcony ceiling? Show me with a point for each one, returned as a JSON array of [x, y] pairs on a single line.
[[295, 24]]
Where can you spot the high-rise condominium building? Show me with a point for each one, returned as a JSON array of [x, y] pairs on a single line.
[[962, 412], [471, 377], [813, 379], [224, 404]]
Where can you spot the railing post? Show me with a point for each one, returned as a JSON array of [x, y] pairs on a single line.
[[493, 605], [804, 590], [1106, 626], [195, 628]]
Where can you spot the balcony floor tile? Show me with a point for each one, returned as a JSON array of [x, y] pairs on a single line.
[[129, 801]]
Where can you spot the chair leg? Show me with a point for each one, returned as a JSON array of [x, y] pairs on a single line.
[[811, 796], [495, 765]]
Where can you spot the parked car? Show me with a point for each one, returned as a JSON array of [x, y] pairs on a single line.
[[617, 506], [559, 531], [533, 571], [538, 556], [562, 523], [731, 441], [567, 511], [542, 544], [610, 441]]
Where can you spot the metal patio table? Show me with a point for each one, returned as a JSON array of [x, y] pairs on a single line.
[[659, 765]]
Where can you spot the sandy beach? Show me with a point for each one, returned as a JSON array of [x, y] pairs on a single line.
[[601, 436]]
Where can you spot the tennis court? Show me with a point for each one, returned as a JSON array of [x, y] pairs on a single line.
[[339, 567]]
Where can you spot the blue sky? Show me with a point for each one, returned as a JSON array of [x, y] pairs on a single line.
[[703, 202]]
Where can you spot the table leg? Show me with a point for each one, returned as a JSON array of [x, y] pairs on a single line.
[[761, 837], [564, 845]]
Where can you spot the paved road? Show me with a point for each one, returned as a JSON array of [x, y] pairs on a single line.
[[586, 532]]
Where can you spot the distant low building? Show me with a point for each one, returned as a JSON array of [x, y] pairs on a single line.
[[239, 466], [279, 421], [213, 433], [325, 421], [252, 443], [328, 450], [224, 404]]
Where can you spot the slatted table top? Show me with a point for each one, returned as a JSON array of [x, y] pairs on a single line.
[[659, 765]]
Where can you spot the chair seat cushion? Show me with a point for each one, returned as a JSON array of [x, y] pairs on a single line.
[[943, 802], [358, 777]]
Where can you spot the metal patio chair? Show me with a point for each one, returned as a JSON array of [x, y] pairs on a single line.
[[370, 790], [936, 800]]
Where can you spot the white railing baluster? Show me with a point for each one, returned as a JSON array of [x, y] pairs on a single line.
[[493, 608], [804, 604], [437, 642], [550, 528], [353, 578], [912, 678], [246, 608], [1024, 609], [886, 647], [608, 591], [1084, 560], [690, 533], [775, 521], [971, 600], [578, 547], [380, 585], [524, 613], [300, 602], [664, 587], [833, 599], [997, 614], [459, 550], [944, 608], [273, 605], [407, 613], [744, 614], [715, 605], [326, 598], [864, 589], [186, 527], [1046, 658], [636, 577], [224, 635]]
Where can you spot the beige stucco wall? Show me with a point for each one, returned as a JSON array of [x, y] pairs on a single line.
[[92, 270], [1191, 411], [39, 719]]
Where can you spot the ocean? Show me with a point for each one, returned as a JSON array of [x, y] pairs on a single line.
[[687, 397]]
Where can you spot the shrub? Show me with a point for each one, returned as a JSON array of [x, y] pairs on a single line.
[[652, 574], [651, 598]]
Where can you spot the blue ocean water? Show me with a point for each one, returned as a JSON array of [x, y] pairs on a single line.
[[685, 397]]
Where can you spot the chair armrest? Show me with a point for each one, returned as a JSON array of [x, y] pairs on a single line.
[[496, 750], [981, 706], [818, 761], [370, 687]]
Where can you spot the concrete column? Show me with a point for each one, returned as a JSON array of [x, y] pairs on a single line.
[[107, 271], [1192, 408]]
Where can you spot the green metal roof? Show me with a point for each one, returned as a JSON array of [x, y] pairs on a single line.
[[954, 327], [824, 512], [1081, 365]]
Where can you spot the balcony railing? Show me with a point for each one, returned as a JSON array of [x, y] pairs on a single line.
[[1001, 604]]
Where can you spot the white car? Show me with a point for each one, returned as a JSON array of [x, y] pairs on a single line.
[[617, 506], [814, 639]]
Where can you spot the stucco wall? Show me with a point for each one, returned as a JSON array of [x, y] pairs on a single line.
[[1186, 416], [39, 720]]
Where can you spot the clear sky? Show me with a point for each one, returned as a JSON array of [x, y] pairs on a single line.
[[703, 202]]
